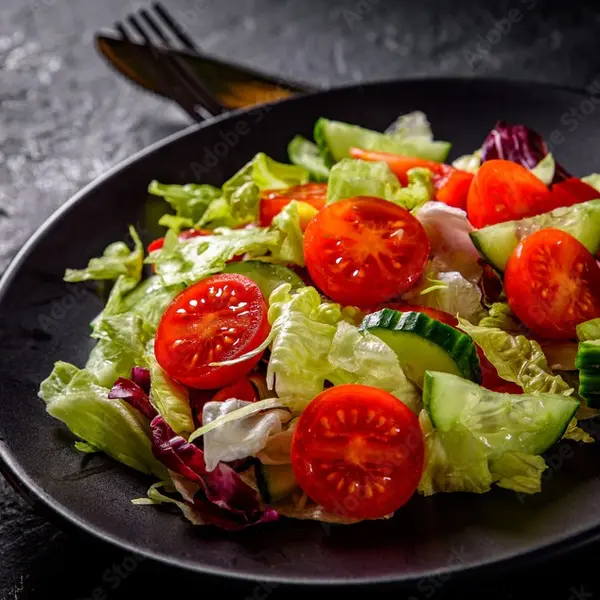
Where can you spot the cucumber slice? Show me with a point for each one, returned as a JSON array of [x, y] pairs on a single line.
[[422, 343], [335, 139], [504, 422], [582, 221], [267, 276], [275, 482], [588, 363]]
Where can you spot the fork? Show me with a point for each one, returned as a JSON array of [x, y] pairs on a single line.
[[184, 86]]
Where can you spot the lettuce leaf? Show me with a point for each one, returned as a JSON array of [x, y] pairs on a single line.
[[517, 359], [189, 201], [590, 330], [450, 292], [361, 357], [238, 438], [353, 177], [448, 231], [302, 331], [170, 399], [75, 397], [291, 247], [116, 260], [411, 125], [501, 317], [305, 153], [518, 472]]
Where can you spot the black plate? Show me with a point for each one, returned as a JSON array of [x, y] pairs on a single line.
[[44, 319]]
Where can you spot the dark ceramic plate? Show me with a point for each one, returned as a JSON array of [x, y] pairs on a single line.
[[44, 319]]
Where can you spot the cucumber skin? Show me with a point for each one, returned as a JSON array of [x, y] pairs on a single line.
[[458, 345], [262, 481], [588, 363]]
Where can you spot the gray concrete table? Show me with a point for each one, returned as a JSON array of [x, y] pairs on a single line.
[[65, 118]]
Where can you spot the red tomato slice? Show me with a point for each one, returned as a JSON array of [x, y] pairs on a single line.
[[217, 319], [552, 283], [504, 191], [572, 191], [184, 235], [358, 451], [363, 251], [452, 188], [489, 375], [452, 185], [272, 202], [240, 390]]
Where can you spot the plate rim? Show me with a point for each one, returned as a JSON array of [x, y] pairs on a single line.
[[43, 502]]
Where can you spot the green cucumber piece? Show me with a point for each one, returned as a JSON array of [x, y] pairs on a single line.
[[588, 363], [529, 423], [335, 139], [275, 482], [267, 276], [422, 343], [582, 221], [304, 153]]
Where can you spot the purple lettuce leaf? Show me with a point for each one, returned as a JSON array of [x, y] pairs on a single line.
[[519, 144], [134, 395], [141, 376], [223, 498]]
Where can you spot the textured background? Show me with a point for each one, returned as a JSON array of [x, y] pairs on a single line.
[[65, 118]]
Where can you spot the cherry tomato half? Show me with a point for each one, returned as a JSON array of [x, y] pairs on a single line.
[[217, 319], [451, 185], [504, 191], [358, 451], [240, 390], [272, 202], [552, 283], [363, 251]]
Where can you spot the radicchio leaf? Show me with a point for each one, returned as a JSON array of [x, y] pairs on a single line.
[[141, 376], [134, 395], [222, 499], [519, 144]]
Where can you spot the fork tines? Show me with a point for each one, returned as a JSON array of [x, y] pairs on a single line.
[[156, 23]]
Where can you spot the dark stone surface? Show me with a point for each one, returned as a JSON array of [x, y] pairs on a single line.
[[65, 118]]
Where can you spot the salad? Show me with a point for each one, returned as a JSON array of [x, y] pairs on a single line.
[[327, 338]]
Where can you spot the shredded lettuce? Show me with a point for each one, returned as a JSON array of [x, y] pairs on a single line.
[[517, 359], [75, 397], [305, 153], [117, 260]]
